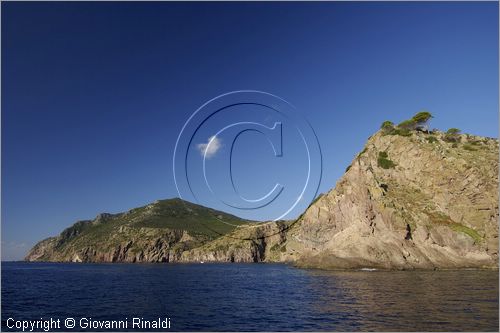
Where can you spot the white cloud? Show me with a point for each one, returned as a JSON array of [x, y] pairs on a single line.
[[210, 148]]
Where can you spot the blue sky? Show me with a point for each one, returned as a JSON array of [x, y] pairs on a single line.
[[94, 95]]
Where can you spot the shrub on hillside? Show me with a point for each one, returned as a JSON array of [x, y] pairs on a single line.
[[384, 162], [387, 126], [452, 135], [431, 139]]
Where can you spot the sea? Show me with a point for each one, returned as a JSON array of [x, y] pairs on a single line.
[[242, 297]]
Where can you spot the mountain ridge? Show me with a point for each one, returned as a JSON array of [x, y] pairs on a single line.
[[176, 220]]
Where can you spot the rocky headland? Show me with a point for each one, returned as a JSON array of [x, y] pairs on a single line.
[[411, 199]]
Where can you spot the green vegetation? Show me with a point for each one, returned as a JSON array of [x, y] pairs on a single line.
[[421, 120], [452, 135], [469, 146], [422, 117], [443, 219], [182, 215], [159, 217], [75, 229], [401, 132], [468, 231], [431, 139], [387, 126], [407, 124], [383, 154], [418, 122], [384, 162], [439, 218], [453, 130], [396, 131]]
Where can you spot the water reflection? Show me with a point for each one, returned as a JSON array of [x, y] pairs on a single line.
[[254, 297], [408, 301]]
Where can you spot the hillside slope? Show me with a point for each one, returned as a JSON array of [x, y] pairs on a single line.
[[158, 232]]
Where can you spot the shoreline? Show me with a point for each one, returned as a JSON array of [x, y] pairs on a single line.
[[291, 264]]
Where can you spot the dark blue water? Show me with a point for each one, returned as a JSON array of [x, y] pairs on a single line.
[[252, 297]]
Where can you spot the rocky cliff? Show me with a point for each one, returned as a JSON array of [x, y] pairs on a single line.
[[158, 232], [415, 201], [409, 200]]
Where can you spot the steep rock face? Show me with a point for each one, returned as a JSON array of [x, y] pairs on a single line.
[[158, 232], [43, 250], [127, 245], [254, 243], [434, 205]]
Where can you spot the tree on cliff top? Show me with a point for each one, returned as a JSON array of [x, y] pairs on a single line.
[[421, 120], [408, 124]]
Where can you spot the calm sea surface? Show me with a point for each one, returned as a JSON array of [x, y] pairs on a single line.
[[252, 297]]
